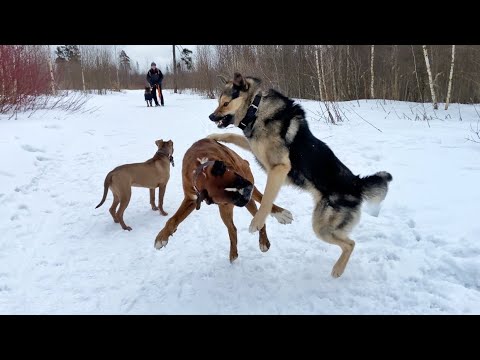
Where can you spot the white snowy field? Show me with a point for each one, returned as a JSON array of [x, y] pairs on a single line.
[[60, 255]]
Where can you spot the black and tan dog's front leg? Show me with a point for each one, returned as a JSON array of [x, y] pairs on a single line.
[[282, 215], [275, 179], [235, 139]]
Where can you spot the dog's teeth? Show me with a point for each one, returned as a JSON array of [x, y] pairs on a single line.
[[231, 189]]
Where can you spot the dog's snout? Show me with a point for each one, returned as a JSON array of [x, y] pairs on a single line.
[[212, 116]]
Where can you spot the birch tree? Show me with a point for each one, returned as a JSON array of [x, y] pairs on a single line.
[[318, 74], [450, 78], [348, 71], [81, 69], [372, 75], [323, 75], [174, 71], [50, 69], [430, 79], [117, 66]]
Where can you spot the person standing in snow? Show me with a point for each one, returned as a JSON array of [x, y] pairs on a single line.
[[155, 78]]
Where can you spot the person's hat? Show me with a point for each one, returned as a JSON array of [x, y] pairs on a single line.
[[152, 64]]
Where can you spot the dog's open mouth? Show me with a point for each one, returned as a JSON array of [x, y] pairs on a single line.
[[224, 121]]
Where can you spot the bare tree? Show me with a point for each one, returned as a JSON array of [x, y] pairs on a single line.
[[323, 75], [320, 92], [174, 70], [348, 71], [430, 80], [450, 78], [116, 66], [81, 68], [372, 75]]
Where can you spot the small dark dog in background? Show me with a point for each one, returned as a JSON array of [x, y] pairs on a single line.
[[148, 95]]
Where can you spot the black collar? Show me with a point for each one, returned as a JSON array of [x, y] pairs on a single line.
[[170, 157], [251, 115]]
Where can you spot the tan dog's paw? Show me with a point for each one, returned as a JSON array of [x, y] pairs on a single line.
[[163, 213], [154, 208], [161, 240], [338, 270], [127, 228], [283, 217], [257, 223]]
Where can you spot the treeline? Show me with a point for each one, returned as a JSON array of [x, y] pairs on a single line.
[[322, 72], [24, 76], [96, 69], [30, 75], [341, 72]]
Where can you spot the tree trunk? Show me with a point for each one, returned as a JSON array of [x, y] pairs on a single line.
[[348, 73], [1, 71], [430, 80], [450, 78], [395, 90], [50, 68], [320, 91], [372, 75], [323, 75], [14, 71], [116, 67], [174, 70], [334, 83], [81, 69]]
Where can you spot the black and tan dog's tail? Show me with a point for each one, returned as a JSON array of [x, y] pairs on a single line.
[[106, 184], [375, 187]]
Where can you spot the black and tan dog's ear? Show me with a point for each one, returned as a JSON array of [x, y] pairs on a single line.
[[223, 79], [218, 168], [200, 198], [159, 143], [238, 80]]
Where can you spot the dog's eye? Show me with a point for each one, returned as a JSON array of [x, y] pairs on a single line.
[[225, 103]]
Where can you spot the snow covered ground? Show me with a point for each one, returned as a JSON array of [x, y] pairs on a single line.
[[60, 255]]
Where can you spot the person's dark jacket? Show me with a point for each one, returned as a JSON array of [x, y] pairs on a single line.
[[155, 77]]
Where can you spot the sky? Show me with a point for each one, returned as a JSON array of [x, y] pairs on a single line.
[[145, 54]]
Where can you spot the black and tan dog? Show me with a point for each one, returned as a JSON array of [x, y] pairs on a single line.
[[153, 173], [277, 133], [148, 96], [213, 173]]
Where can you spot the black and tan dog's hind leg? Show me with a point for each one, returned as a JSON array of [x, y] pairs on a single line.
[[332, 225]]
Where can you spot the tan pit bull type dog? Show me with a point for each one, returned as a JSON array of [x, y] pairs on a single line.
[[150, 174], [213, 173]]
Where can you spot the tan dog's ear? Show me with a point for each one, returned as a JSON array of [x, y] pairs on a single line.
[[158, 142], [222, 78]]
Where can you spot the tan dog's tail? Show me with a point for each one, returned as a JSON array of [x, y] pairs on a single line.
[[106, 184]]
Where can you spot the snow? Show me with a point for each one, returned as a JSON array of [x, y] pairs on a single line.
[[60, 255]]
